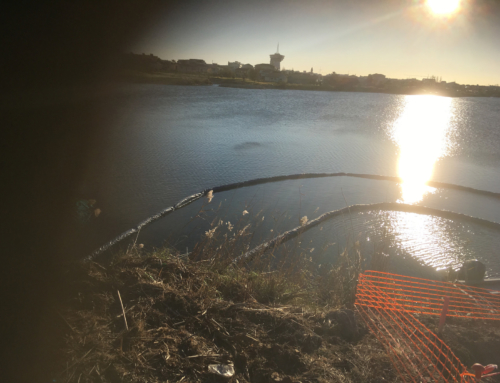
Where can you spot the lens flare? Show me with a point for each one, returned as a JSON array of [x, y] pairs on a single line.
[[421, 132], [443, 7]]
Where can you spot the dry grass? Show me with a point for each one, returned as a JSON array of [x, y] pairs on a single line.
[[273, 318], [161, 316]]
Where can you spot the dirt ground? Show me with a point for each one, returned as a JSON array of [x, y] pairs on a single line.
[[184, 322]]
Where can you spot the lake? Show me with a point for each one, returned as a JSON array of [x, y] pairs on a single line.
[[163, 143]]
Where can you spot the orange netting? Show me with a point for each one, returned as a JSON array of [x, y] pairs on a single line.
[[386, 302], [425, 296]]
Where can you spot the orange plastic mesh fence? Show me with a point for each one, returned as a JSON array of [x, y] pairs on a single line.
[[425, 296], [416, 352]]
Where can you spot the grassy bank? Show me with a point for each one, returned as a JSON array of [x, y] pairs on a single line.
[[161, 316], [182, 315], [176, 78], [165, 78]]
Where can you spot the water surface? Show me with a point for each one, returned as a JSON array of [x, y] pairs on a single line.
[[167, 142]]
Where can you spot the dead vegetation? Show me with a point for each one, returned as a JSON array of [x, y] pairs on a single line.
[[210, 316], [288, 324]]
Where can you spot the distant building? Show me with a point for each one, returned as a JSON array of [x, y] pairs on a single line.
[[408, 83], [243, 72], [376, 79], [169, 65], [363, 80], [234, 65], [264, 67], [222, 69], [264, 71], [276, 59], [214, 68]]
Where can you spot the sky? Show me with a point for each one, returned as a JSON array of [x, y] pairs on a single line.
[[398, 38]]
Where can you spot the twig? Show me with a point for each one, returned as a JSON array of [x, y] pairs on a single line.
[[175, 324], [251, 337], [130, 308], [123, 310], [270, 309], [69, 379], [98, 265], [65, 321], [78, 361]]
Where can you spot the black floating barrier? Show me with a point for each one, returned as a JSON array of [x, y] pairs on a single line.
[[217, 189], [387, 206]]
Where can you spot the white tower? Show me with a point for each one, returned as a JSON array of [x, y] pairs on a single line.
[[276, 58]]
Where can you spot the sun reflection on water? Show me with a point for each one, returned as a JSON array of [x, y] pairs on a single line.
[[421, 132], [433, 241]]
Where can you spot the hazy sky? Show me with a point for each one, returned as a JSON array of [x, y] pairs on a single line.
[[399, 38]]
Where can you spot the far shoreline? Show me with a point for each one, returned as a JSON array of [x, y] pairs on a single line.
[[194, 79]]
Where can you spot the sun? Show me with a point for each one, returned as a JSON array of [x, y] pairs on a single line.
[[443, 7]]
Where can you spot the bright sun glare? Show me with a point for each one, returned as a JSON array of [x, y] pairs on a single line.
[[421, 134], [443, 7]]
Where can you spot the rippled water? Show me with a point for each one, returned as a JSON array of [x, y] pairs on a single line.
[[167, 142]]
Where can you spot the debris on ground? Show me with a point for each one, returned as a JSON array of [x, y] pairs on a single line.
[[178, 320]]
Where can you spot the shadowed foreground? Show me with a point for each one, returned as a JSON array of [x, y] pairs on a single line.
[[295, 323]]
